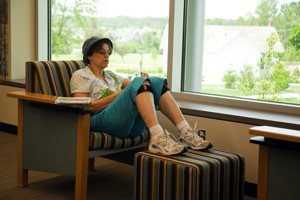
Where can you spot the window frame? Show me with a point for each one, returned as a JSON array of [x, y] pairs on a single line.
[[43, 21], [176, 67]]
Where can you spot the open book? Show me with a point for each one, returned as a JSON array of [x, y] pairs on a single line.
[[73, 100]]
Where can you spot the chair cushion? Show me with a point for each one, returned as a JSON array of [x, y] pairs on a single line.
[[51, 77], [106, 141]]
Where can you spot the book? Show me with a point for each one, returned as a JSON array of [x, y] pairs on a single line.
[[73, 100]]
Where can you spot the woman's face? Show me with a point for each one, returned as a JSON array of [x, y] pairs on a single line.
[[100, 57]]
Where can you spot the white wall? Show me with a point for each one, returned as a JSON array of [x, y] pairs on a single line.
[[8, 106], [22, 34], [21, 47]]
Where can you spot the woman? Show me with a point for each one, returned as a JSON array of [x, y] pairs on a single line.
[[123, 108]]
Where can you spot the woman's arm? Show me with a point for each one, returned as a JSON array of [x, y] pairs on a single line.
[[99, 104], [125, 83]]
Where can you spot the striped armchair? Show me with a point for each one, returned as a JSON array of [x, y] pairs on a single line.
[[53, 78], [56, 138]]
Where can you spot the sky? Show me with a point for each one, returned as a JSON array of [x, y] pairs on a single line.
[[232, 9], [229, 9], [159, 8], [137, 8]]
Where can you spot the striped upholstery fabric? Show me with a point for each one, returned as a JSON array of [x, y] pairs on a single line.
[[195, 175], [53, 78], [106, 141]]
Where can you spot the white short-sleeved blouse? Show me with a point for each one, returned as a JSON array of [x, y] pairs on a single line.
[[83, 80]]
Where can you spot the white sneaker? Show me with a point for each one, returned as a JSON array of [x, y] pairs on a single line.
[[191, 139], [165, 144]]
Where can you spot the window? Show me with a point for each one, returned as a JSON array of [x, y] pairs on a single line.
[[138, 32], [236, 53], [240, 53]]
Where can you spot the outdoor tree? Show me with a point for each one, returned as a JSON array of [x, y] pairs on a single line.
[[273, 77], [122, 49], [266, 10], [152, 42], [292, 52], [247, 80], [66, 19], [230, 79], [294, 37], [288, 17], [285, 22]]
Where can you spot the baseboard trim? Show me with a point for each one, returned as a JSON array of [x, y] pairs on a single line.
[[8, 128], [251, 189]]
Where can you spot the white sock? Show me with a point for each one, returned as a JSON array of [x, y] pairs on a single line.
[[183, 126], [155, 129]]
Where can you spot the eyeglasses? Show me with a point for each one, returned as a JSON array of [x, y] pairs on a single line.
[[103, 52]]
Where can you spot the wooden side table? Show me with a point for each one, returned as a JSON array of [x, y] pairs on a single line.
[[279, 162]]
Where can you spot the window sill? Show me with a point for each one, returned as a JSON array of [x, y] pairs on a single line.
[[19, 83], [240, 115]]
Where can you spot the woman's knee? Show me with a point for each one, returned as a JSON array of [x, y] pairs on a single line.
[[165, 88], [157, 82], [145, 87]]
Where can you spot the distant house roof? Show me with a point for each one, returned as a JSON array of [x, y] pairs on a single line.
[[231, 47], [128, 34], [216, 37]]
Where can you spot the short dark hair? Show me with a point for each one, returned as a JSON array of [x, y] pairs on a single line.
[[89, 45], [97, 46]]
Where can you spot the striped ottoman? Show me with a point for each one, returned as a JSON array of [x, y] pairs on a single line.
[[210, 174]]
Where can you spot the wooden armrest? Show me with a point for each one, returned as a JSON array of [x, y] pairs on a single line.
[[276, 133], [47, 101], [42, 98]]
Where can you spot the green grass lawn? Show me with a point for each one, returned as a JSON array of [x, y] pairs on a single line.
[[219, 89], [131, 64], [116, 61]]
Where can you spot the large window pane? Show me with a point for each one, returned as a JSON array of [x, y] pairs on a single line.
[[244, 49], [138, 29]]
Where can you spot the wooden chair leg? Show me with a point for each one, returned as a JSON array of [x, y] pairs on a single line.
[[262, 185], [92, 164], [22, 173], [22, 179], [82, 161]]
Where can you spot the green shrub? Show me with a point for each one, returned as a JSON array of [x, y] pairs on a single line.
[[230, 79]]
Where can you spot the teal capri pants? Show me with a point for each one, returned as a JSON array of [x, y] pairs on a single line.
[[121, 118]]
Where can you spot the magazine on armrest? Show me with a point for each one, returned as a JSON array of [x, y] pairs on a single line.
[[73, 100]]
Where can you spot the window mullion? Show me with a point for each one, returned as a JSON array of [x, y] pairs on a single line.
[[193, 48]]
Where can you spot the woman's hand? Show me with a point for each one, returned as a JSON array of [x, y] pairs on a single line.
[[145, 75], [99, 104]]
